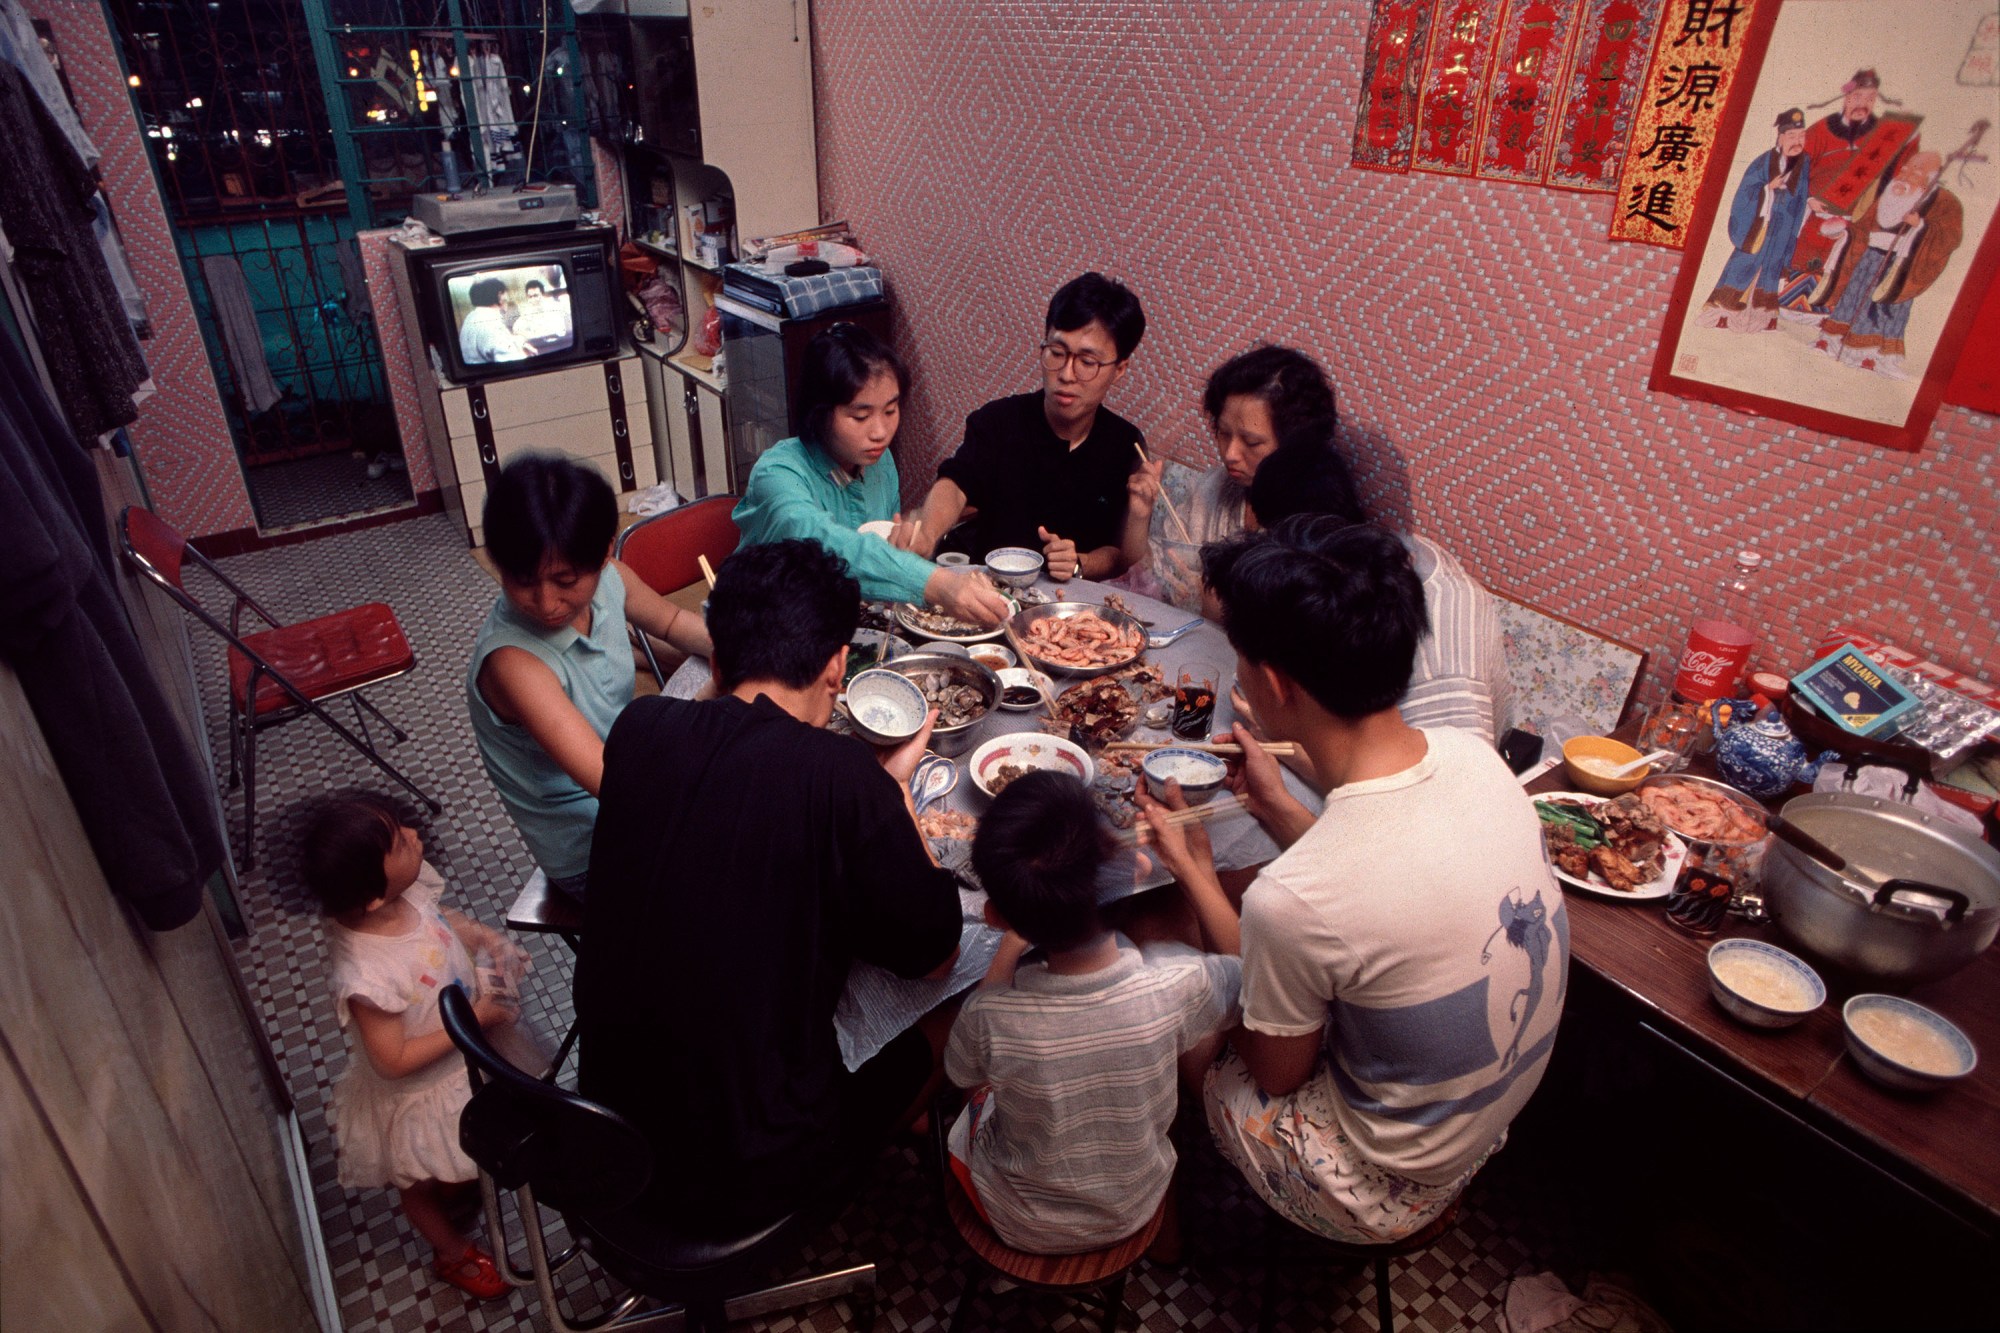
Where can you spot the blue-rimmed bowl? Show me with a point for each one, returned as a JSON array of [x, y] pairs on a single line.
[[886, 708], [1015, 566], [1201, 775], [1762, 985], [1901, 1044]]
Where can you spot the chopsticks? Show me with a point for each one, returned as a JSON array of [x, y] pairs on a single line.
[[1172, 512], [706, 572], [1228, 749], [1194, 814], [1021, 655]]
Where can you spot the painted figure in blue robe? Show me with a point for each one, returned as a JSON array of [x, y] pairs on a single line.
[[1764, 221]]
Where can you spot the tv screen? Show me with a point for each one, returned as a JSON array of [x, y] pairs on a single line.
[[511, 312]]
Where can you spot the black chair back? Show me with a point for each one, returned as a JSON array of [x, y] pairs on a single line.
[[577, 1156]]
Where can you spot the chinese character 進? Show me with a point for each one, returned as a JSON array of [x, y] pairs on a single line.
[[1672, 145], [1654, 203], [1698, 86]]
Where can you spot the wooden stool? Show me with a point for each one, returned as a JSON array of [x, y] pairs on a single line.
[[1071, 1275], [1385, 1311]]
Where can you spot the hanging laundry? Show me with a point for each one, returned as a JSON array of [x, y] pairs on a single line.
[[47, 211], [493, 107], [21, 47], [354, 277], [236, 328]]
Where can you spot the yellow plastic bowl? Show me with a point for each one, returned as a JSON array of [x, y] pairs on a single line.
[[1601, 747]]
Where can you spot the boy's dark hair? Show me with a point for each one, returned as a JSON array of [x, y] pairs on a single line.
[[780, 612], [543, 505], [344, 847], [840, 360], [1094, 296], [487, 291], [533, 284], [1335, 606], [1286, 381], [1039, 851], [1304, 479]]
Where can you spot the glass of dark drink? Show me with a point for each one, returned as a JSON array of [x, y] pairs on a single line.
[[1194, 699]]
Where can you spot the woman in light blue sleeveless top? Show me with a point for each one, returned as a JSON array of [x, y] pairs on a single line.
[[552, 666]]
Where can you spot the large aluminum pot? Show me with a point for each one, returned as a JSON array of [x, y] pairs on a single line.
[[1916, 899]]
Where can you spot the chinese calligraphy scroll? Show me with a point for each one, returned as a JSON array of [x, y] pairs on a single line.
[[1448, 103], [1385, 125], [1529, 50], [1686, 90], [1600, 92], [1866, 344]]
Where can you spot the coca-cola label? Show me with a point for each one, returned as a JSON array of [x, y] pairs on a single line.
[[1709, 670]]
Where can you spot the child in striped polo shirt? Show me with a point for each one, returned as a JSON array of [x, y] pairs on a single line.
[[1071, 1055]]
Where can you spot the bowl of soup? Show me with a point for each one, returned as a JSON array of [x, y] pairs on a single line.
[[1901, 1044], [1590, 761], [1762, 985]]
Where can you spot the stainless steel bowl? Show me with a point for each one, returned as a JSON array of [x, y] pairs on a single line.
[[1064, 611], [954, 740]]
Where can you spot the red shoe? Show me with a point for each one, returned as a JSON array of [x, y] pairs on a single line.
[[474, 1274]]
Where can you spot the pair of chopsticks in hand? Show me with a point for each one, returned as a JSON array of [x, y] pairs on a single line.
[[1221, 749], [1172, 512], [1142, 832]]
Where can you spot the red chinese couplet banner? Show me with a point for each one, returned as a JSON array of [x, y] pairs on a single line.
[[1687, 87], [1385, 124], [1448, 102], [1530, 47], [1600, 92]]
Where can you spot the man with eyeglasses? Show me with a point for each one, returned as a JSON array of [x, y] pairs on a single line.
[[1056, 471]]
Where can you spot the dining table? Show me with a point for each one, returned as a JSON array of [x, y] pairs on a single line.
[[1944, 1145]]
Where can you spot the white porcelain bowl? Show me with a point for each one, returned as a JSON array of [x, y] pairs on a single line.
[[1762, 985], [1024, 679], [1201, 775], [1015, 566], [887, 709], [1027, 749], [995, 655], [880, 527], [1901, 1044]]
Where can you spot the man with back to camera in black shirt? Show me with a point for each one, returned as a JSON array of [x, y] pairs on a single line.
[[1056, 471], [747, 856]]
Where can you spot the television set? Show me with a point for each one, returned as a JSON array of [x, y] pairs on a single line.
[[520, 304]]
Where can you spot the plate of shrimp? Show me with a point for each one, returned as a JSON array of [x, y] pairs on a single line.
[[1080, 639]]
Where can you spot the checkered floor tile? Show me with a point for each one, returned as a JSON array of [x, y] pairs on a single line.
[[1511, 1222], [321, 488]]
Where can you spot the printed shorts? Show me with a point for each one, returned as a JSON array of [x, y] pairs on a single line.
[[1292, 1152]]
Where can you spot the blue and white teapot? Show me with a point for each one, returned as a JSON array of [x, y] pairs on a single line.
[[1756, 752]]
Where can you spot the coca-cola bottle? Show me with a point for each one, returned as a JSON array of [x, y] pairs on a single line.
[[1718, 644]]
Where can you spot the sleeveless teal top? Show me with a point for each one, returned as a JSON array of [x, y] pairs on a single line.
[[556, 817]]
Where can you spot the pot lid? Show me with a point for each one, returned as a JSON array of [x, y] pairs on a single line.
[[1884, 840]]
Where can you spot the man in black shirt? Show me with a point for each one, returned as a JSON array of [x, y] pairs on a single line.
[[746, 856], [1057, 471]]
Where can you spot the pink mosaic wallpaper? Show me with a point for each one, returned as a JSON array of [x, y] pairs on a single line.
[[1491, 348], [181, 435]]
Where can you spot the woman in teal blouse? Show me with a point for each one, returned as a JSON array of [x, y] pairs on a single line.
[[839, 474]]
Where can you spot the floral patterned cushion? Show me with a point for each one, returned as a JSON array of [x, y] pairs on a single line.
[[1557, 668]]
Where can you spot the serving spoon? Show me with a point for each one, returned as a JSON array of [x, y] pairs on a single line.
[[1626, 770], [1165, 638]]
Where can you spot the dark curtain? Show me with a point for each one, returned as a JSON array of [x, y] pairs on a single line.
[[137, 783]]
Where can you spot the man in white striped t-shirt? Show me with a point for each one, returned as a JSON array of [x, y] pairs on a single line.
[[1071, 1057]]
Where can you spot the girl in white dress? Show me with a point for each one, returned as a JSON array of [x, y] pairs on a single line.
[[394, 949]]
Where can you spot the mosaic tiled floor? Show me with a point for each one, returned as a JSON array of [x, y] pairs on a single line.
[[321, 488], [1512, 1221]]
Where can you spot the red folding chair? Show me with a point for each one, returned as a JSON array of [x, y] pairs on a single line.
[[284, 672], [661, 550]]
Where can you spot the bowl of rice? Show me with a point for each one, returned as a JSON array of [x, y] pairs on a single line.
[[1201, 775]]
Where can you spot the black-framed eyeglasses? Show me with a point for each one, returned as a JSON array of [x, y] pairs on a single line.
[[1055, 356]]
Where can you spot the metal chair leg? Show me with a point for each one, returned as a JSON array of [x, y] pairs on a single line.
[[381, 717], [1385, 1309], [1114, 1302], [968, 1296], [249, 794], [235, 745], [360, 721]]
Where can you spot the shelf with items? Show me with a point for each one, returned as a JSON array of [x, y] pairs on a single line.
[[656, 250], [700, 369]]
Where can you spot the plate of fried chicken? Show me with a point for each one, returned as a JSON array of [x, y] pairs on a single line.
[[1615, 848]]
